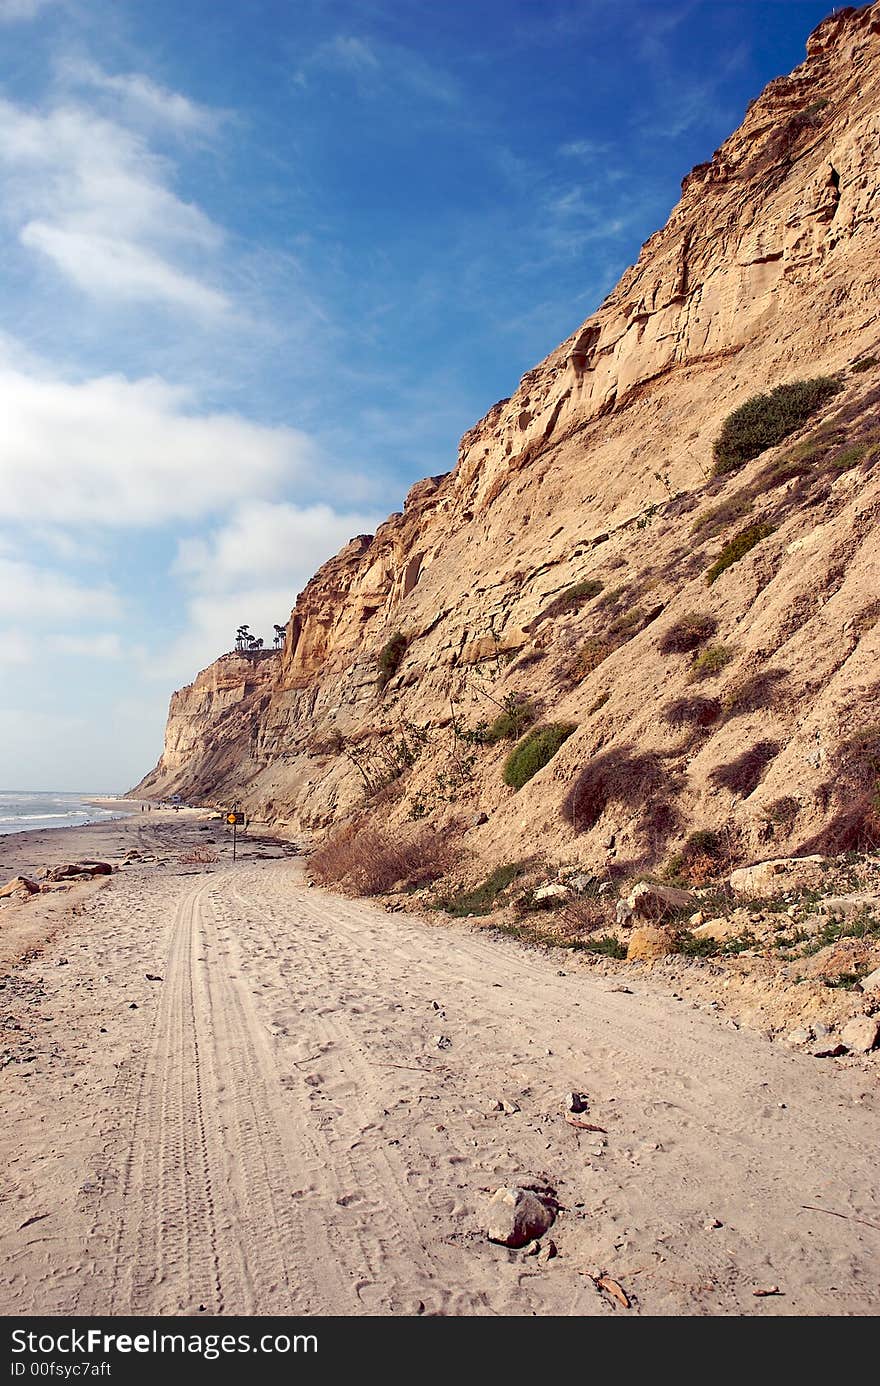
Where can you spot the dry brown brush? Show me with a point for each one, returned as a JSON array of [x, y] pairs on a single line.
[[369, 861]]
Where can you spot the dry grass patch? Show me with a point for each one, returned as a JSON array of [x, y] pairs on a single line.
[[688, 633], [369, 861], [696, 712]]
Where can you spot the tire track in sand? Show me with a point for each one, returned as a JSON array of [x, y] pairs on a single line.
[[204, 1220]]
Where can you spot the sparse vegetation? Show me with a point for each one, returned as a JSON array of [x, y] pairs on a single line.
[[693, 947], [369, 861], [705, 855], [616, 776], [589, 656], [855, 454], [753, 692], [688, 633], [488, 895], [768, 419], [867, 363], [518, 713], [713, 521], [628, 622], [856, 787], [692, 712], [390, 658], [782, 812], [862, 925], [381, 763], [710, 662], [737, 548], [604, 943], [573, 597], [535, 751], [860, 752]]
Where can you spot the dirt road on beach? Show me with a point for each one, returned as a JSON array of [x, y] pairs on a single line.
[[230, 1093]]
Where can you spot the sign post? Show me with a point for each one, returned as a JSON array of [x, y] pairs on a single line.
[[234, 817]]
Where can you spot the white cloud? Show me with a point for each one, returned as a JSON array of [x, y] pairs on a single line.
[[267, 541], [250, 570], [45, 597], [140, 97], [93, 197], [110, 268], [117, 452], [586, 150]]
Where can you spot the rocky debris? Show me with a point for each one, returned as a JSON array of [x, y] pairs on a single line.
[[19, 888], [860, 1035], [580, 882], [647, 900], [71, 870], [610, 1287], [765, 879], [441, 1041], [554, 891], [803, 1035], [576, 1102], [842, 905], [719, 929], [504, 1104], [518, 1216], [829, 1047], [871, 983], [652, 941]]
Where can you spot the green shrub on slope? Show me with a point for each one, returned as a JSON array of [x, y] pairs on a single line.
[[535, 751], [765, 420]]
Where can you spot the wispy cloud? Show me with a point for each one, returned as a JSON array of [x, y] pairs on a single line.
[[92, 197], [139, 97], [381, 68], [584, 150]]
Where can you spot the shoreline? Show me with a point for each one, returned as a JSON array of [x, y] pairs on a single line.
[[26, 926]]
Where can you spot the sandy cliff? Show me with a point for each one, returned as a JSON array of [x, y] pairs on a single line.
[[596, 468]]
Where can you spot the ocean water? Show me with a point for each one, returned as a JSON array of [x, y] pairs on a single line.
[[26, 812]]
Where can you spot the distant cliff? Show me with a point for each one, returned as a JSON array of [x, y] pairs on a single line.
[[597, 470]]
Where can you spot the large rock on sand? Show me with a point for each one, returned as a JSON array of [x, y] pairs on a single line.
[[860, 1035], [20, 886], [72, 869], [518, 1216], [652, 941], [768, 878], [648, 900]]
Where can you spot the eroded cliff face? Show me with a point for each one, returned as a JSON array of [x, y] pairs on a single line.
[[596, 468]]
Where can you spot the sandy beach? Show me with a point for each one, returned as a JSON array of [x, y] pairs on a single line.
[[227, 1092]]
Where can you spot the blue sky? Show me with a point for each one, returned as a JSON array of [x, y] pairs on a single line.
[[262, 264]]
